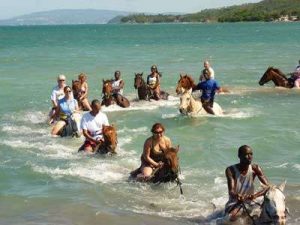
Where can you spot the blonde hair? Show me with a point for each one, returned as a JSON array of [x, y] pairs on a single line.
[[81, 76]]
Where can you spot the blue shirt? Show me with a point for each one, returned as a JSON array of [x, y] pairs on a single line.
[[208, 88], [67, 107]]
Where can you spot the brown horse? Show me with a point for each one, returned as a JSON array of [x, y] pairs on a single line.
[[144, 92], [167, 173], [76, 87], [110, 98], [278, 78], [184, 83], [110, 140]]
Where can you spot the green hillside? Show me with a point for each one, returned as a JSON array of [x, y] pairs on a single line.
[[267, 10]]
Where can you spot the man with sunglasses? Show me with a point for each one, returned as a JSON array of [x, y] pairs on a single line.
[[57, 94], [240, 181], [153, 153]]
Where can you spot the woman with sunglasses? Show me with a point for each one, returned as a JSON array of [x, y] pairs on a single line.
[[67, 107], [153, 153]]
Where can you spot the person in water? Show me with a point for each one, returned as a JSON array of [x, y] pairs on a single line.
[[66, 107], [240, 182], [91, 125], [57, 94], [207, 69], [153, 82], [84, 88], [153, 154], [117, 84], [296, 76], [209, 87]]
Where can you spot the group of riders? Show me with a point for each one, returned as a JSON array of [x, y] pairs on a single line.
[[65, 118]]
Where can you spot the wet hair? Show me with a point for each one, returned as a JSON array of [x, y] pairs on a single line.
[[81, 75], [156, 126], [67, 87], [94, 102], [242, 149]]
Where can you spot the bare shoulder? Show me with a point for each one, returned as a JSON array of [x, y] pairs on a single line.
[[167, 141], [257, 169]]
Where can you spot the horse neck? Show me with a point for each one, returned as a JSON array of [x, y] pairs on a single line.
[[278, 79], [195, 105]]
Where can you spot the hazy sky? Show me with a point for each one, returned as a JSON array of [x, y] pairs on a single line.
[[12, 8]]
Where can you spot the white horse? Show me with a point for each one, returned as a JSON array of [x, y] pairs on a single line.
[[272, 210], [191, 107]]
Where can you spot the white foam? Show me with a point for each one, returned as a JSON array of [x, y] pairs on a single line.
[[22, 130]]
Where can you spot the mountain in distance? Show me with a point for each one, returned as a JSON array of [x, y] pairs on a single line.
[[66, 17]]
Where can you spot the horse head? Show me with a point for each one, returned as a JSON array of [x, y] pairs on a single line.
[[266, 77], [276, 76], [185, 82], [110, 139], [106, 87], [273, 207], [185, 106], [169, 171], [138, 80], [76, 87]]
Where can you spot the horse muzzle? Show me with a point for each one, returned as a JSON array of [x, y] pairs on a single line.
[[183, 111], [261, 83]]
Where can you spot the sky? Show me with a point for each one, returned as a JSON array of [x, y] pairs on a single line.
[[13, 8]]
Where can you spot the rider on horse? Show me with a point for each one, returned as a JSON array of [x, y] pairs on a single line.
[[240, 181], [117, 84], [153, 153], [91, 125], [153, 82]]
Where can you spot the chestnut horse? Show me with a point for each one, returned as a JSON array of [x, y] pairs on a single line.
[[109, 98], [184, 83], [110, 141], [144, 92], [272, 209], [278, 78], [167, 173]]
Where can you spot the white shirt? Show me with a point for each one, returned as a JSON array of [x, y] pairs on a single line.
[[115, 85], [57, 94], [93, 124]]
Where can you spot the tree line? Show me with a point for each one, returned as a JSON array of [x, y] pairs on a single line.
[[266, 10]]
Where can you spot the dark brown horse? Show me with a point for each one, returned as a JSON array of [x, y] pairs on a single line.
[[185, 82], [110, 98], [144, 92], [278, 78], [167, 173]]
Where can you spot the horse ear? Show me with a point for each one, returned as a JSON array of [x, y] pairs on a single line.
[[282, 186], [180, 75], [177, 148], [103, 80], [142, 73]]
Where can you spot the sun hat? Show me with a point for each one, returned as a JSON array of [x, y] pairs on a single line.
[[61, 77]]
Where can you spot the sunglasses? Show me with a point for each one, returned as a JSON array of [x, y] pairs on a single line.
[[157, 132], [69, 91], [61, 80]]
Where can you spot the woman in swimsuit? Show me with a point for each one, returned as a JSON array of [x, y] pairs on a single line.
[[153, 151], [84, 92]]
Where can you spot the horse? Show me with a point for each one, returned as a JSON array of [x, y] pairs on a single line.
[[167, 173], [76, 87], [144, 92], [278, 78], [184, 83], [190, 107], [110, 142], [272, 210], [110, 98]]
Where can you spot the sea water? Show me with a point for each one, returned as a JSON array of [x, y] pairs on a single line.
[[44, 180]]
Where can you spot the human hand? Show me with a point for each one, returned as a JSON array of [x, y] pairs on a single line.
[[160, 164]]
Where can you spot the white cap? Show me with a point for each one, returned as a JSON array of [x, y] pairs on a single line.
[[61, 77]]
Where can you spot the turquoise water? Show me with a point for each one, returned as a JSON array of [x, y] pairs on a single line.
[[43, 180]]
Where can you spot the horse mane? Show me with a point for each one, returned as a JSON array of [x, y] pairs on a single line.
[[110, 139], [278, 71]]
